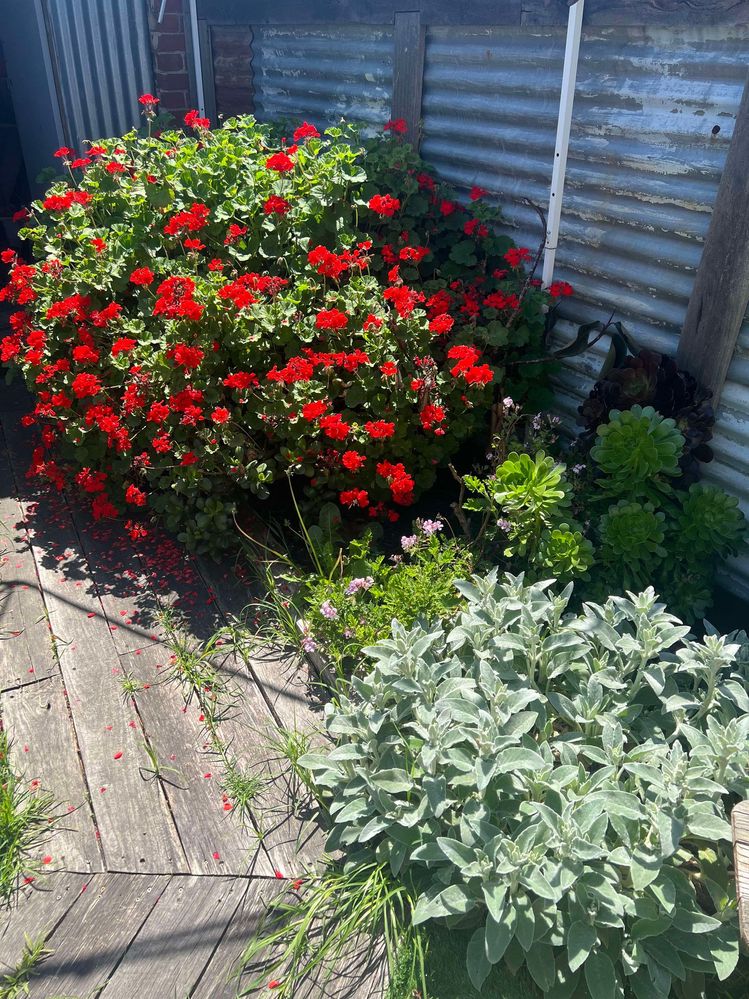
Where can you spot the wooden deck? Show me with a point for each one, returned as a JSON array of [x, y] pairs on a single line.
[[154, 884]]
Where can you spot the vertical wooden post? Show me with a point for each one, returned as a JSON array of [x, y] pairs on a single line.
[[740, 828], [408, 71], [721, 288]]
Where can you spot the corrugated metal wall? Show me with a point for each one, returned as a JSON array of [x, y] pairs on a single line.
[[489, 107], [101, 54], [653, 117], [324, 73]]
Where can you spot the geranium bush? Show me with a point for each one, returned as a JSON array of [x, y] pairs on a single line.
[[210, 311]]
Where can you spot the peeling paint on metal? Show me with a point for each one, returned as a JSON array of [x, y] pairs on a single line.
[[642, 176]]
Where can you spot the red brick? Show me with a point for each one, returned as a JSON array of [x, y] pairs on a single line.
[[174, 98], [169, 43], [170, 62], [170, 24], [175, 81]]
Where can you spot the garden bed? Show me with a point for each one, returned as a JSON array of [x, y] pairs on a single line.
[[529, 754]]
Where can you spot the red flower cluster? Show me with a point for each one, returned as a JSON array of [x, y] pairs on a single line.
[[400, 482], [175, 299], [234, 232], [192, 219], [331, 319], [61, 202], [280, 162], [384, 204], [276, 206], [193, 120], [305, 131]]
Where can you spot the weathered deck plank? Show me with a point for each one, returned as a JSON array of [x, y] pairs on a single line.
[[177, 939], [44, 749], [217, 980], [26, 651], [130, 606], [217, 843], [38, 910], [90, 942], [284, 813], [137, 831]]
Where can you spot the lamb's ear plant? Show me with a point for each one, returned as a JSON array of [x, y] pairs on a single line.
[[559, 783]]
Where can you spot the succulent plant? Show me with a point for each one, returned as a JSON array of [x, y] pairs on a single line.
[[653, 379], [710, 523], [535, 486], [565, 553], [635, 447], [632, 536]]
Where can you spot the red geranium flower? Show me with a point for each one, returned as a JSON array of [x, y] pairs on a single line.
[[193, 120], [559, 288], [335, 427], [86, 385], [148, 100], [517, 255], [220, 415], [306, 131], [384, 204], [135, 496], [379, 429], [142, 275], [187, 357], [123, 345], [480, 375], [234, 233], [441, 324], [353, 461], [355, 497], [276, 206], [280, 162], [158, 412], [396, 125], [331, 319], [311, 410], [241, 380]]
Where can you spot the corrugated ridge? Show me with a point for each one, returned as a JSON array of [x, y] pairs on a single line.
[[324, 73], [653, 116], [103, 55], [490, 103]]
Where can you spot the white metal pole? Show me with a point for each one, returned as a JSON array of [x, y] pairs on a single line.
[[196, 57], [566, 99]]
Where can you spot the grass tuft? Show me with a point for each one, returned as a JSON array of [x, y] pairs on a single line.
[[27, 819], [16, 982]]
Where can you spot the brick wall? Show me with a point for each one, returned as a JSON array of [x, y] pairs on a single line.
[[170, 56]]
